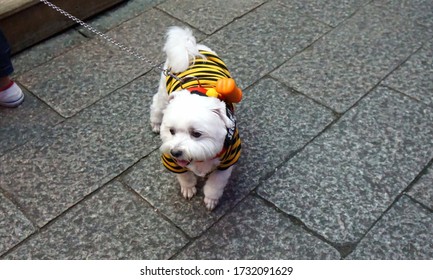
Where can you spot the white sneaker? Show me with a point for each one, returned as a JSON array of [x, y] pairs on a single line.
[[11, 96]]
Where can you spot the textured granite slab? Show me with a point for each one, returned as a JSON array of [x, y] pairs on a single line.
[[343, 181], [419, 11], [415, 76], [160, 188], [262, 40], [145, 34], [77, 79], [329, 11], [374, 38], [117, 15], [404, 232], [14, 226], [254, 230], [28, 121], [276, 122], [422, 190], [208, 16], [347, 62], [113, 223], [336, 85], [273, 123], [52, 173], [46, 50]]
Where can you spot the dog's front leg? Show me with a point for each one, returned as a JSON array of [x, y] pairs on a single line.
[[214, 187], [187, 182]]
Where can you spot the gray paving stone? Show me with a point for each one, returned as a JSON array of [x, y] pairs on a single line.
[[112, 224], [419, 11], [256, 231], [161, 189], [208, 16], [374, 38], [405, 232], [50, 174], [145, 34], [273, 123], [46, 50], [342, 182], [28, 121], [415, 76], [14, 226], [335, 85], [79, 78], [263, 39], [328, 11], [119, 14], [422, 190], [75, 80], [346, 63]]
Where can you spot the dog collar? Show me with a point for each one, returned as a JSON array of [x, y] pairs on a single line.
[[223, 150], [199, 90]]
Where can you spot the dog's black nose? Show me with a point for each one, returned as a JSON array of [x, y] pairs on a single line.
[[176, 153]]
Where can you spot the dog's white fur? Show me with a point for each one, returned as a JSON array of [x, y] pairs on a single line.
[[180, 117]]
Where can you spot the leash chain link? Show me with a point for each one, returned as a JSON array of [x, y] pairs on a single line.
[[108, 39]]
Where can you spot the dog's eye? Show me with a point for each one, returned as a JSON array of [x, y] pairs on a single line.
[[172, 131], [195, 134]]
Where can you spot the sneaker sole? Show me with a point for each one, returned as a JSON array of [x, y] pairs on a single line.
[[15, 103]]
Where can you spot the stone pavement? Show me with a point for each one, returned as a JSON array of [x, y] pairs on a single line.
[[337, 129]]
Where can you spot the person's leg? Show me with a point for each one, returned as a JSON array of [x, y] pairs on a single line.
[[6, 67], [10, 94], [4, 81]]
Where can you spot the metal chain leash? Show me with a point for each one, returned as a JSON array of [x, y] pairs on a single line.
[[107, 38]]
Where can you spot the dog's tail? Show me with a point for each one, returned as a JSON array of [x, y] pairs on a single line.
[[180, 47]]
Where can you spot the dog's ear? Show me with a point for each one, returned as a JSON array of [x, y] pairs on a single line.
[[221, 111]]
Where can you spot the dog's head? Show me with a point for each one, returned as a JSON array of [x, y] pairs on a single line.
[[194, 127]]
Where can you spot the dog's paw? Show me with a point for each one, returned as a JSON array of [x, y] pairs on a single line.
[[155, 127], [210, 203], [189, 192]]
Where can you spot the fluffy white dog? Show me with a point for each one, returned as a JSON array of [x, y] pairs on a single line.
[[196, 123]]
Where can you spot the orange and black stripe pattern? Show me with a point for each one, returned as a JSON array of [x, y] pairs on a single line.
[[232, 152], [172, 165], [208, 69]]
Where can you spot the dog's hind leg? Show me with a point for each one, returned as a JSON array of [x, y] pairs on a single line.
[[159, 102]]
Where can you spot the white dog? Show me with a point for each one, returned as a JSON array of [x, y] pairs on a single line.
[[198, 129]]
